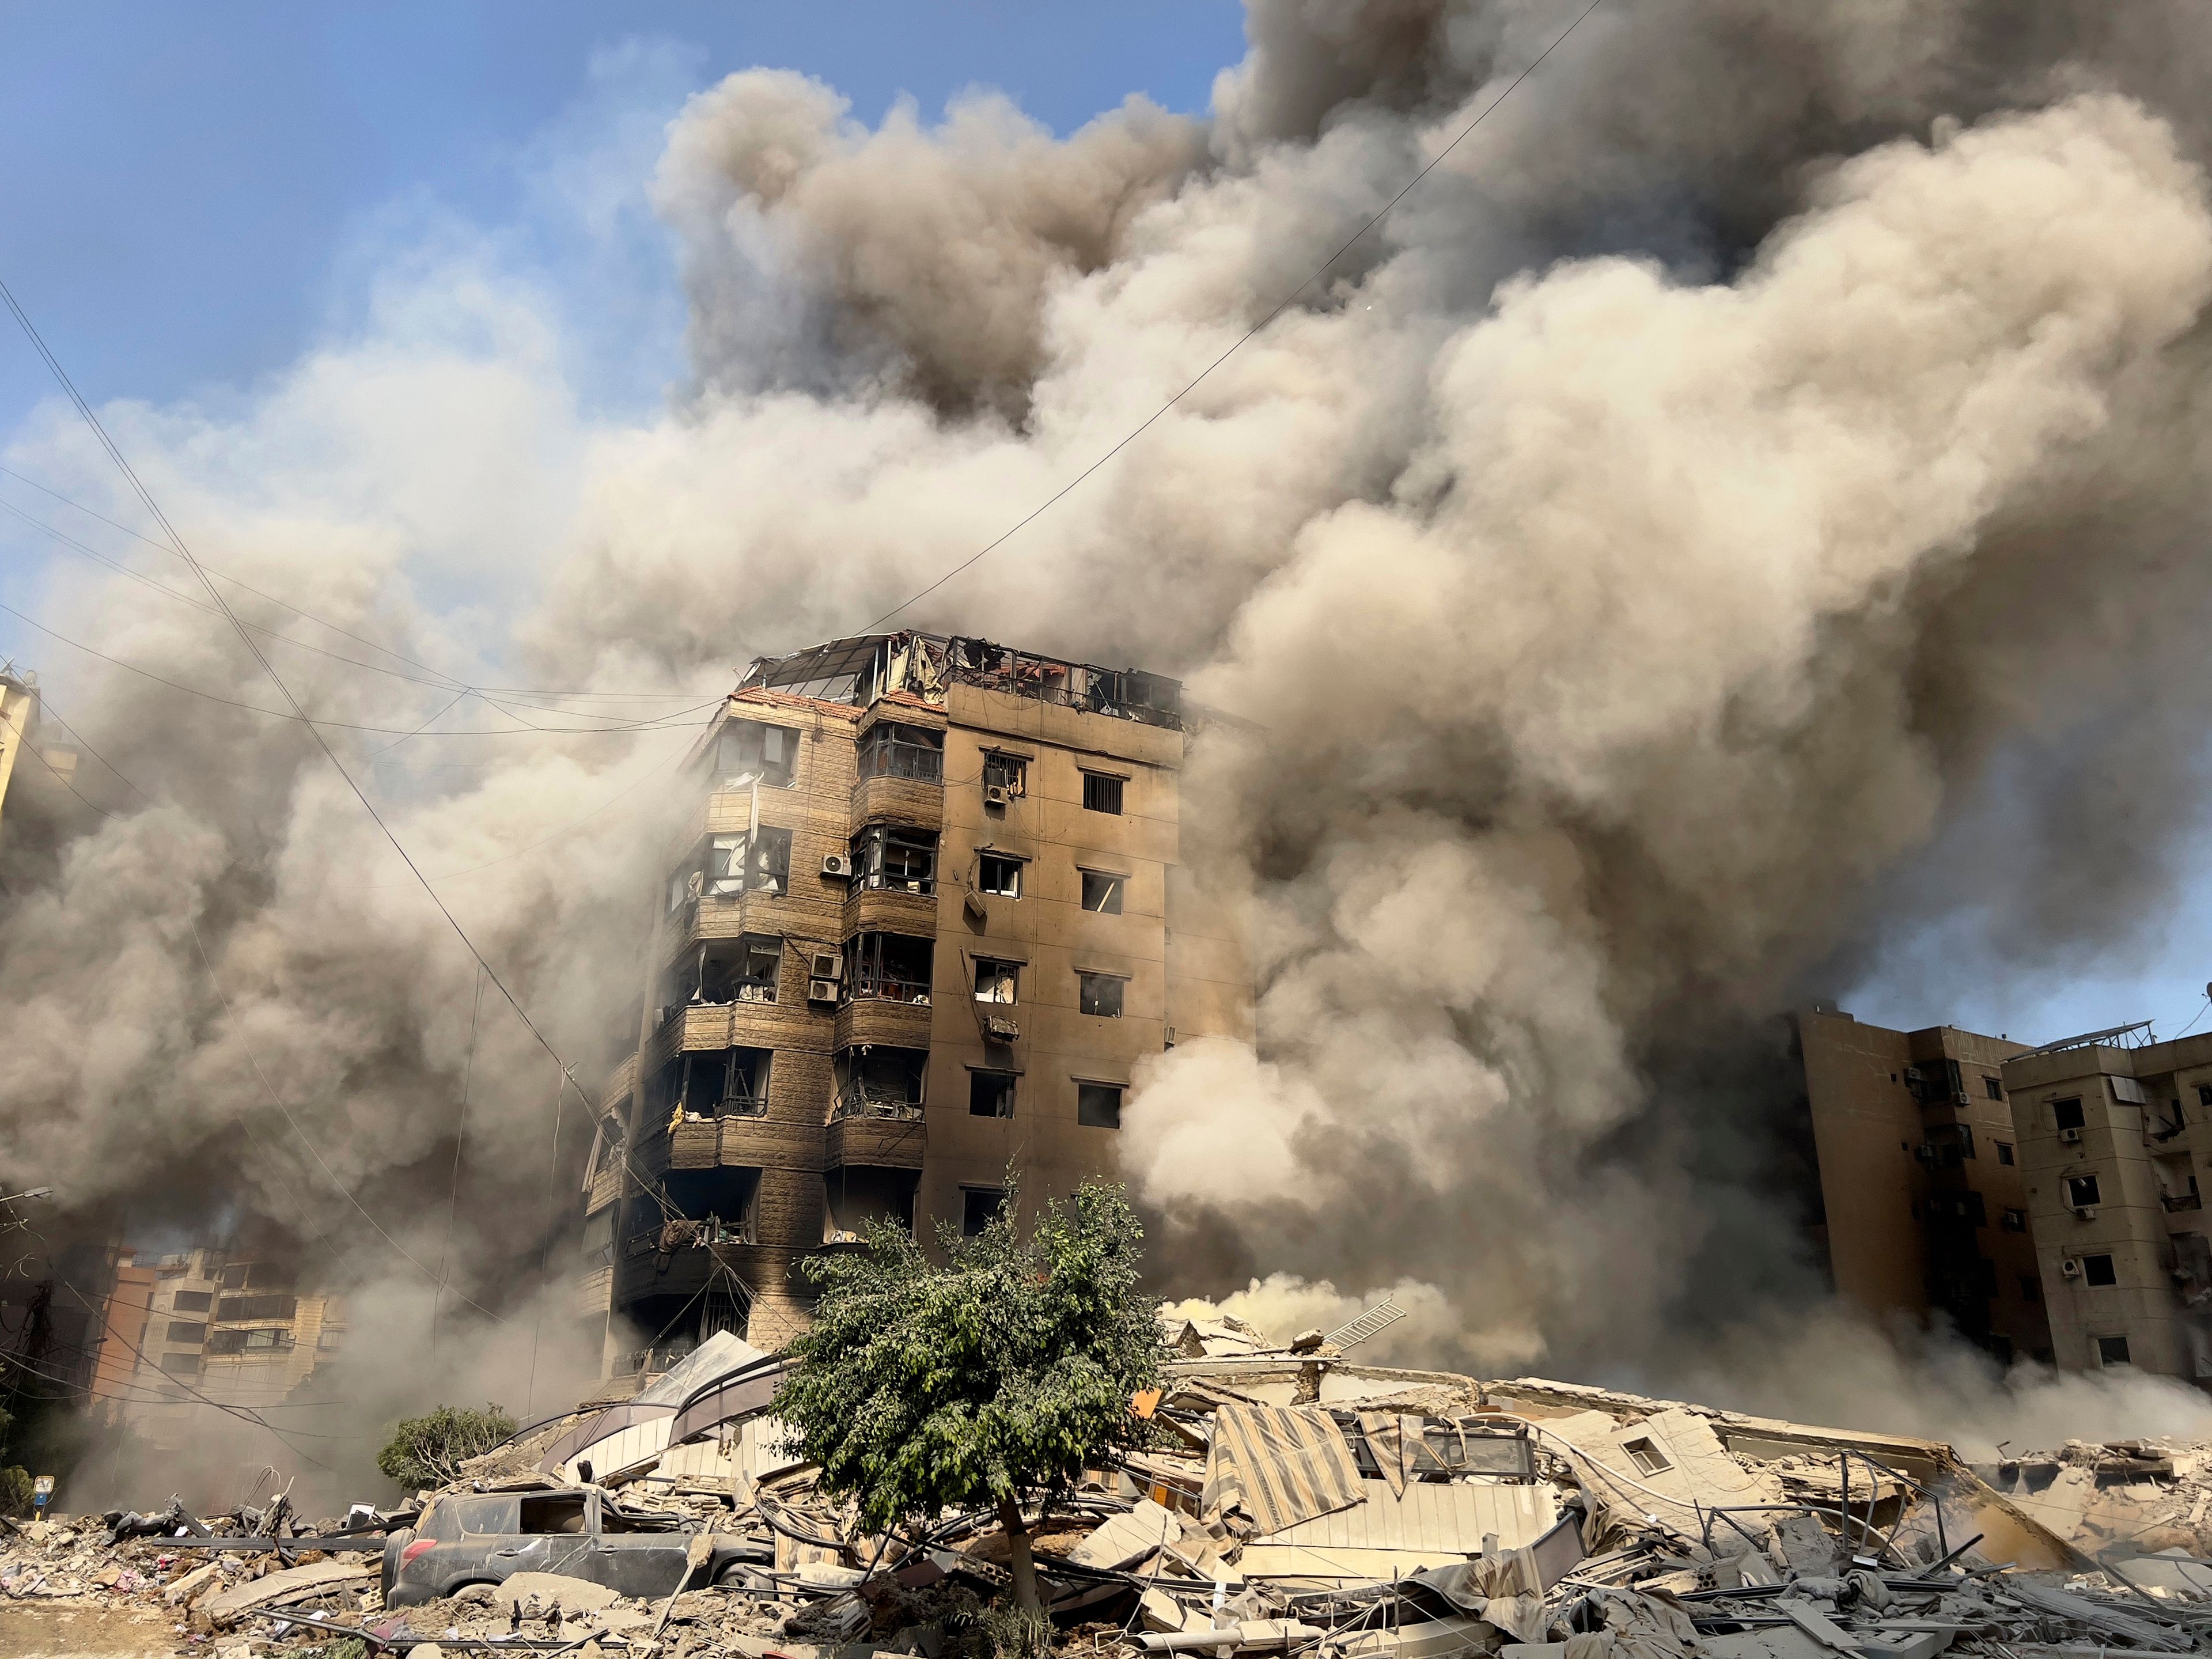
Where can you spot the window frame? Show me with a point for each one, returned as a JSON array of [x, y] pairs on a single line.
[[728, 770], [1097, 786], [1084, 1086], [892, 748], [872, 849], [1007, 975], [2074, 1184], [2101, 1263], [2062, 1109], [1012, 862], [2104, 1358], [1009, 1086], [1087, 980], [968, 1197], [2005, 1153], [1006, 771], [1117, 887]]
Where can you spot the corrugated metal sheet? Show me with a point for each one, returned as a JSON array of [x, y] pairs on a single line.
[[1435, 1522]]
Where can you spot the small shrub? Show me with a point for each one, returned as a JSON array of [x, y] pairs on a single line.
[[430, 1450]]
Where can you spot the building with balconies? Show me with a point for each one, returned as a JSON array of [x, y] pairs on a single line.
[[926, 918], [2115, 1135]]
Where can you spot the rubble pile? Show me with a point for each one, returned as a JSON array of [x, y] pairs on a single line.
[[1279, 1500]]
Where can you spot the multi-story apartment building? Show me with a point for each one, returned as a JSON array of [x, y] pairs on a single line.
[[232, 1327], [924, 919], [1923, 1200], [2114, 1142]]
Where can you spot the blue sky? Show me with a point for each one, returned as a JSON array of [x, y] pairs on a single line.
[[197, 195]]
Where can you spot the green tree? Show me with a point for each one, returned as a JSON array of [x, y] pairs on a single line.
[[998, 1376], [428, 1451]]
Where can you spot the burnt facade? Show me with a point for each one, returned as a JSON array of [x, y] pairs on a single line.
[[925, 920]]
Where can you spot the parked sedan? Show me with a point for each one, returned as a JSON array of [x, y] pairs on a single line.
[[576, 1532]]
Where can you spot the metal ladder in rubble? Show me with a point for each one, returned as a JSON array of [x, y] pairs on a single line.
[[1383, 1314]]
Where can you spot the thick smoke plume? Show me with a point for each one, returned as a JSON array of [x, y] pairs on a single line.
[[1640, 574]]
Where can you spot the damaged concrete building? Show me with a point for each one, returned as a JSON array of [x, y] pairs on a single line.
[[925, 920], [2109, 1129], [1924, 1206]]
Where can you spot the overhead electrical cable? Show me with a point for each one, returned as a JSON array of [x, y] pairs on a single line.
[[1245, 339]]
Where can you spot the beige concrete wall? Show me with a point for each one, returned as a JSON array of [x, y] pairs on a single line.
[[1865, 1125]]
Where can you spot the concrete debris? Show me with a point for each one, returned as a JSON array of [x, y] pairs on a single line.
[[1287, 1500]]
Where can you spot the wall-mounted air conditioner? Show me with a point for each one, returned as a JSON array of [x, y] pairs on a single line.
[[822, 990], [2071, 1136], [1001, 1028], [2069, 1269], [2085, 1212], [825, 964], [837, 864], [995, 794]]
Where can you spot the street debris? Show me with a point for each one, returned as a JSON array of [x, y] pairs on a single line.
[[1286, 1500]]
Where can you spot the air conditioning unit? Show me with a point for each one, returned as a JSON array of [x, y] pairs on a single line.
[[2085, 1212], [840, 1235], [822, 990], [972, 902], [2071, 1136], [1001, 1028], [837, 864], [995, 794], [2069, 1269], [1960, 1096], [825, 964]]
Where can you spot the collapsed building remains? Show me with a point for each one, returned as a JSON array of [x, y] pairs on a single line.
[[1285, 1499]]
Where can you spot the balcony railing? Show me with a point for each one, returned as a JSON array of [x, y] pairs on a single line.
[[2181, 1200], [883, 988], [861, 1103]]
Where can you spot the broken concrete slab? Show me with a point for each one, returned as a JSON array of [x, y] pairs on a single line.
[[281, 1588], [574, 1594]]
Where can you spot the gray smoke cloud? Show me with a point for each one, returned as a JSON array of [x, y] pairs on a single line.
[[1736, 508]]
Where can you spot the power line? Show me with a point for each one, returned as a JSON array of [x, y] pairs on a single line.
[[1278, 308]]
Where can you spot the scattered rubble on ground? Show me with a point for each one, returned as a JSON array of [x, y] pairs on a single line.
[[1286, 1501]]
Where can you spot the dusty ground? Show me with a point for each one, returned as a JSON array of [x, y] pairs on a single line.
[[29, 1631]]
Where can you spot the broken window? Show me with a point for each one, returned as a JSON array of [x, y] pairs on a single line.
[[192, 1301], [880, 1082], [234, 1277], [889, 751], [1646, 1456], [2082, 1191], [1995, 1089], [2031, 1288], [187, 1330], [2066, 1113], [996, 981], [724, 876], [2004, 1151], [997, 873], [1099, 994], [2204, 1094], [978, 1206], [991, 1094], [181, 1364], [1102, 892], [1098, 1105], [1102, 791], [233, 1308], [330, 1339], [1007, 772], [767, 862], [268, 1340], [889, 967], [726, 1082], [561, 1515], [896, 858], [2112, 1350], [2097, 1270], [748, 751], [1950, 1144], [723, 1199], [2016, 1221], [728, 970], [597, 1245]]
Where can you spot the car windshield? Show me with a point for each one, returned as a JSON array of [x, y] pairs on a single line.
[[484, 1514]]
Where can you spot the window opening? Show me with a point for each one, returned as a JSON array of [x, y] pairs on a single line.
[[880, 1082], [997, 873], [1647, 1457], [725, 1082], [991, 1094], [2004, 1151], [2066, 1113], [1995, 1089], [1007, 772], [750, 750], [562, 1514], [2082, 1191], [1101, 792], [996, 981], [188, 1330], [1102, 892], [2097, 1270], [2112, 1350], [978, 1206], [1098, 1105], [2031, 1288], [1100, 993], [896, 858], [598, 1246], [889, 967], [890, 750], [2016, 1221], [192, 1301]]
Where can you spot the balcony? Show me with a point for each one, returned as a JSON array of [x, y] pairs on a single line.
[[887, 799], [2177, 1201], [901, 1022], [889, 910], [588, 1293], [606, 1187], [886, 1139]]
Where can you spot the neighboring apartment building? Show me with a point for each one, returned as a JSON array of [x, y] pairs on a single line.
[[2114, 1142], [19, 730], [926, 918], [1922, 1186], [231, 1326]]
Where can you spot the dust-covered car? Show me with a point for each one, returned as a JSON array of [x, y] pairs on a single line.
[[578, 1532]]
